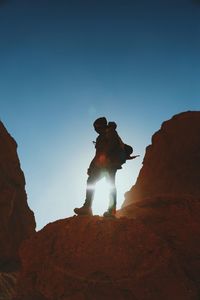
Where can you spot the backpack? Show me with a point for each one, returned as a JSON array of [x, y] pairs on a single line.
[[125, 153], [122, 151]]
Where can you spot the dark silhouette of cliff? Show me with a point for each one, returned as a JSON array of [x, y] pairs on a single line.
[[16, 219]]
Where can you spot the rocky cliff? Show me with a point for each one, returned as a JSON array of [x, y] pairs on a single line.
[[150, 252], [16, 219], [102, 259], [171, 164]]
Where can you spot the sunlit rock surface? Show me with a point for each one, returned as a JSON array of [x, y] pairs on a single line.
[[16, 219], [171, 164]]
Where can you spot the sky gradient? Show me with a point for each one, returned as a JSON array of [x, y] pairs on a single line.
[[65, 63]]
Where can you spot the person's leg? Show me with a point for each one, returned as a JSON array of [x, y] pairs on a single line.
[[95, 175], [113, 193]]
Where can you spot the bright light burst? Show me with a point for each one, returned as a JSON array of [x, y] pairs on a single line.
[[101, 197]]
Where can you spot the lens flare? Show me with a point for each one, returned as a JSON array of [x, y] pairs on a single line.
[[101, 196]]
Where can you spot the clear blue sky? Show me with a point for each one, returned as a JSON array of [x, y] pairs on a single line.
[[64, 63]]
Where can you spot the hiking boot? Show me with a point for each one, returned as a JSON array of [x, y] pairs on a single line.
[[109, 214], [83, 211]]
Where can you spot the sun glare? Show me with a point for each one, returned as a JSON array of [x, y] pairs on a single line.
[[124, 181], [101, 197]]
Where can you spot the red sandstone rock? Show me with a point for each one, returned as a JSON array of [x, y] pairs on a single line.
[[96, 258], [166, 196], [16, 219], [7, 285], [171, 164], [177, 221]]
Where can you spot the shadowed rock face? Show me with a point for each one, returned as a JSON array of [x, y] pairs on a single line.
[[171, 164], [176, 220], [16, 219], [96, 258], [166, 196], [7, 285]]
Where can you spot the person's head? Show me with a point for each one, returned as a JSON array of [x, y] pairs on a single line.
[[100, 125], [112, 125]]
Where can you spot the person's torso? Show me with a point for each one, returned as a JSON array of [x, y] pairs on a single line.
[[108, 149]]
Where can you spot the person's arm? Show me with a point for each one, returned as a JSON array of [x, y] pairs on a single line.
[[91, 166]]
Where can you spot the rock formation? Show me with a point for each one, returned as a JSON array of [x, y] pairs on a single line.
[[166, 196], [151, 252], [102, 259], [171, 164], [16, 219], [8, 282]]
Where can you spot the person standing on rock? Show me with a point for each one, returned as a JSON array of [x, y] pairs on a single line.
[[111, 153]]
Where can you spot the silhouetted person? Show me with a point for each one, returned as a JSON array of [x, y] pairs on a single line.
[[110, 155]]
